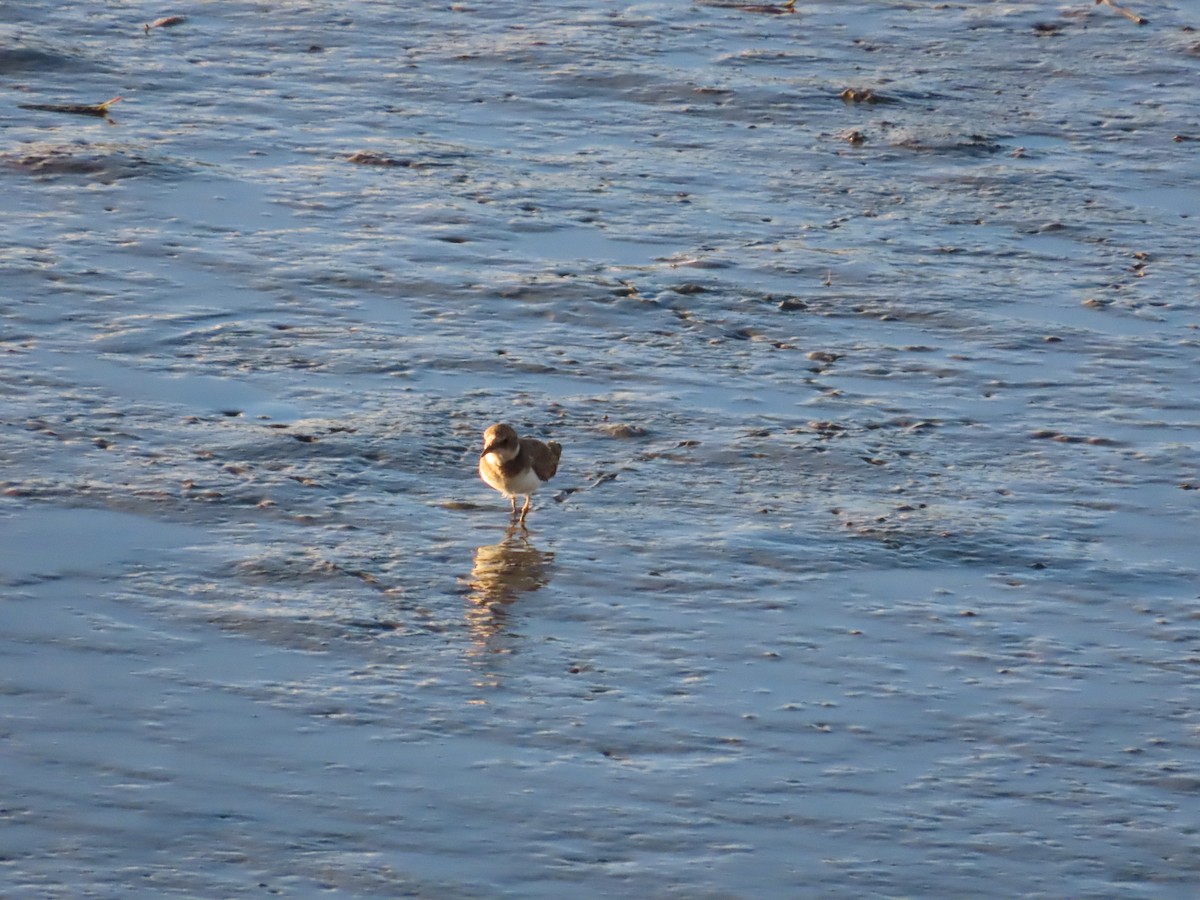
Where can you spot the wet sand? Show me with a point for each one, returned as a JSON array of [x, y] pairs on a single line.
[[870, 567]]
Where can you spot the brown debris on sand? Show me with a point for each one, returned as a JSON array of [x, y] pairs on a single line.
[[771, 9], [165, 22], [1130, 15]]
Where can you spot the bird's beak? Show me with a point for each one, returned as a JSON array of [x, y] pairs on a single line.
[[486, 450]]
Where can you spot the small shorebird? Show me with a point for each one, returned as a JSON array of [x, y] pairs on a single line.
[[515, 465]]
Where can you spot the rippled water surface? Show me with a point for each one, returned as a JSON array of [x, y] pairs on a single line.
[[871, 566]]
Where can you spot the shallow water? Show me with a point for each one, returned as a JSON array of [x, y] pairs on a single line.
[[889, 587]]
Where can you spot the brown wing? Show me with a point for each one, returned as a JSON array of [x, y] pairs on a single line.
[[544, 457]]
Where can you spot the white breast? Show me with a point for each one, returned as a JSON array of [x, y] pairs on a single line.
[[525, 483], [522, 483]]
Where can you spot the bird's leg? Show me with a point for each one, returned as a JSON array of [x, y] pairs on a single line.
[[527, 507], [513, 498]]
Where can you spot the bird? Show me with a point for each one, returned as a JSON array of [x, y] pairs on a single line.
[[514, 465]]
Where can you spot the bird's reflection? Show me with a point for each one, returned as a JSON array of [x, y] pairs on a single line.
[[503, 572]]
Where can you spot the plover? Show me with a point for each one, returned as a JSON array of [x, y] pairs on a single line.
[[515, 465]]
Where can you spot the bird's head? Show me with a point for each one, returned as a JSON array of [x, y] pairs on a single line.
[[501, 440]]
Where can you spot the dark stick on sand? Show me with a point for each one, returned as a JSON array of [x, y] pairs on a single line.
[[78, 109], [774, 9]]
